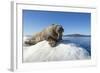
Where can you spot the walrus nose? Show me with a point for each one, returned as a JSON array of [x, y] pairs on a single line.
[[61, 30]]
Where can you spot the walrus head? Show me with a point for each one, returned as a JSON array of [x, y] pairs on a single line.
[[59, 31]]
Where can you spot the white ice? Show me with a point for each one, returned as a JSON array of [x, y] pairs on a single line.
[[42, 51]]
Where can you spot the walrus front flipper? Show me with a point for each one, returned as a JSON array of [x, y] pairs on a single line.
[[52, 42]]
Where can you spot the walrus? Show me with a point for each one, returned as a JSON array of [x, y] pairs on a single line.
[[52, 34]]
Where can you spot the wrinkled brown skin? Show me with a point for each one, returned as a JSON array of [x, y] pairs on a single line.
[[52, 34]]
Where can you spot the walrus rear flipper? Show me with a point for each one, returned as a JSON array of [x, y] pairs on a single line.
[[30, 42]]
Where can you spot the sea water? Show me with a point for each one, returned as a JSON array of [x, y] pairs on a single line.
[[84, 42]]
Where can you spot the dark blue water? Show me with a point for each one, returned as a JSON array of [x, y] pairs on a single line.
[[84, 42]]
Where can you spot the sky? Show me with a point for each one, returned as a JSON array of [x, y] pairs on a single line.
[[72, 22]]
